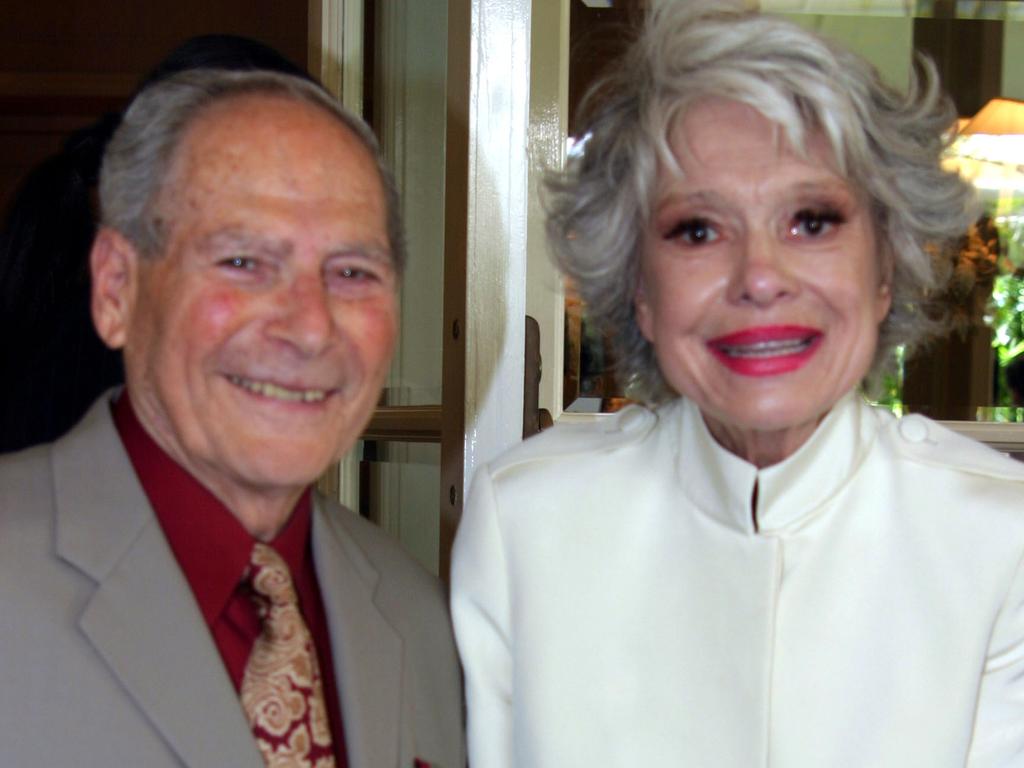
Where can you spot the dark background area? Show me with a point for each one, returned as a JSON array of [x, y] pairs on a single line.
[[64, 64]]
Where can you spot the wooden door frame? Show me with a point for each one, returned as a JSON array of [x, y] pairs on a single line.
[[336, 49]]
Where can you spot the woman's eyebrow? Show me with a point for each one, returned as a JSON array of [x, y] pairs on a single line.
[[675, 197], [830, 185]]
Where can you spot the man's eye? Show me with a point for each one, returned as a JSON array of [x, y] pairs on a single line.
[[814, 223], [694, 232], [360, 274], [246, 263], [350, 272]]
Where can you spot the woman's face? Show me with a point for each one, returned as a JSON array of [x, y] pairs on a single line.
[[760, 286]]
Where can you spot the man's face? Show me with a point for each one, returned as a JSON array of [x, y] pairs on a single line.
[[257, 343]]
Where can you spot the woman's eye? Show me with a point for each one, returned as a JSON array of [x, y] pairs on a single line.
[[694, 232], [814, 223]]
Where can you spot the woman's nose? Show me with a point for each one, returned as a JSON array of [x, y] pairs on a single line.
[[761, 274]]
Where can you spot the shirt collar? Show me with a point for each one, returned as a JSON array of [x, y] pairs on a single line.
[[790, 492], [211, 546]]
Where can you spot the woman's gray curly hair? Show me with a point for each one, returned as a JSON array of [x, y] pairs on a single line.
[[888, 145]]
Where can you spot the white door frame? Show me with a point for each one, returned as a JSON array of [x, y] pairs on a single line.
[[498, 119], [498, 201]]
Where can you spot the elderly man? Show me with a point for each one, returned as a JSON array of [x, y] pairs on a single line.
[[171, 593]]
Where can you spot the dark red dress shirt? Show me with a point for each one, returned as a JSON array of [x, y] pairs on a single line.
[[213, 550]]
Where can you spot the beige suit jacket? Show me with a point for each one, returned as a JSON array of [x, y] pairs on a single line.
[[105, 658]]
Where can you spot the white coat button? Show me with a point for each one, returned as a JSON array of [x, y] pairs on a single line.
[[914, 429]]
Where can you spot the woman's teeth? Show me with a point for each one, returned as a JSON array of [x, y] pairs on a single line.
[[766, 348]]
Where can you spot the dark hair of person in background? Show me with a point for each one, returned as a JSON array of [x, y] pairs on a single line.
[[54, 365]]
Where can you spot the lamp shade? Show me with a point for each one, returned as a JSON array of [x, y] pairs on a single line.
[[1000, 117]]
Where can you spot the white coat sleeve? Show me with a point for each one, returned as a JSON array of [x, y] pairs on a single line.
[[998, 740], [481, 613]]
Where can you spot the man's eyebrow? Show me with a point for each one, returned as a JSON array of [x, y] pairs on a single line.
[[372, 251], [242, 240]]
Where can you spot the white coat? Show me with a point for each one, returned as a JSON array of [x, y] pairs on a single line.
[[615, 604]]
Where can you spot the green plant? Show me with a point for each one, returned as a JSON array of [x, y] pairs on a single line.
[[1006, 309]]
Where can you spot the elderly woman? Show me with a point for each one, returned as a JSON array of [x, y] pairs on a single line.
[[757, 568]]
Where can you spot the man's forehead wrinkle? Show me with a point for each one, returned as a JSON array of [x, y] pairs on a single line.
[[273, 159], [216, 126], [208, 166], [231, 114]]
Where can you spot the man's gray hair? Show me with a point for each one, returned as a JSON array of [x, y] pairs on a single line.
[[887, 144], [139, 158]]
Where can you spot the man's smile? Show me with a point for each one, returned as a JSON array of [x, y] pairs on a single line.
[[278, 392]]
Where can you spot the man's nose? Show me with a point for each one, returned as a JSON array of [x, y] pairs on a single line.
[[303, 317], [761, 273]]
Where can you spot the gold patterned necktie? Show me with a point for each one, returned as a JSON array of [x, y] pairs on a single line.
[[282, 693]]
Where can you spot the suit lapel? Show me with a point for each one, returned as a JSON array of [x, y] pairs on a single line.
[[142, 618], [366, 649]]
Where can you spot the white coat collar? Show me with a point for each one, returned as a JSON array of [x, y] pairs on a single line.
[[789, 493]]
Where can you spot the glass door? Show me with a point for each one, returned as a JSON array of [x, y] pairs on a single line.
[[446, 87], [387, 61]]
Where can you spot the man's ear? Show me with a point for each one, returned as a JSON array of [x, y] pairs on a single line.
[[114, 265]]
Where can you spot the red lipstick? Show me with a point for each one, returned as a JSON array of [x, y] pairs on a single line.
[[767, 350]]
